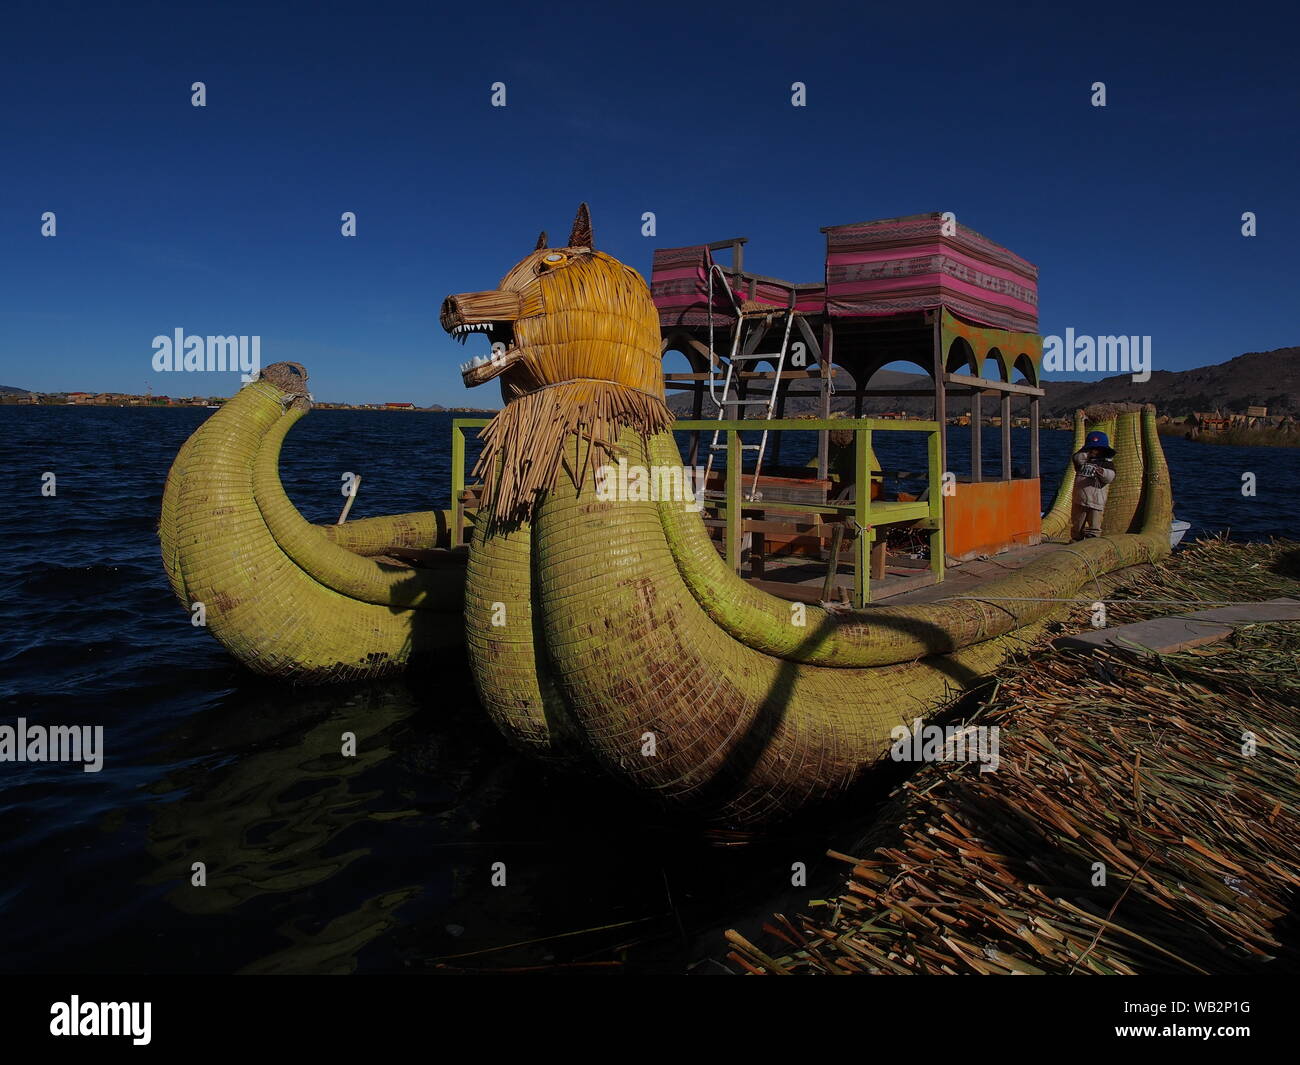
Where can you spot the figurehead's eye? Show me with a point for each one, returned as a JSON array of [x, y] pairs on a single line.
[[553, 259]]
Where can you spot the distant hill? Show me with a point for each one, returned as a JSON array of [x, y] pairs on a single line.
[[1263, 378], [9, 390], [1267, 379]]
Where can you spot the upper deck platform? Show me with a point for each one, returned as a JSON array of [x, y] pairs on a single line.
[[891, 267]]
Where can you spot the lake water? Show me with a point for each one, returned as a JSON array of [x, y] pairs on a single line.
[[386, 864]]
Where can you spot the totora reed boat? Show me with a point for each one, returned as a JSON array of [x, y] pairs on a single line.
[[308, 603], [631, 646], [613, 629]]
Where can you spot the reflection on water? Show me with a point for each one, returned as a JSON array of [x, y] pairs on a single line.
[[265, 823], [281, 796]]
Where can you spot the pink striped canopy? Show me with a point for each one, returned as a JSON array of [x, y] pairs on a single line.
[[679, 286], [900, 265]]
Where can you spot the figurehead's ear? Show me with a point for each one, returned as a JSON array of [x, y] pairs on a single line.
[[541, 241], [580, 236]]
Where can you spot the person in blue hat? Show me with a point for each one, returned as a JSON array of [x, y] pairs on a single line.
[[1093, 472]]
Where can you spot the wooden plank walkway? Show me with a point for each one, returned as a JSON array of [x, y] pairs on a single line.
[[800, 579], [1179, 633]]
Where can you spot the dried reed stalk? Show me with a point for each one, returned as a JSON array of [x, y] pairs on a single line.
[[526, 444]]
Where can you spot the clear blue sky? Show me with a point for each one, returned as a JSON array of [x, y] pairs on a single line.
[[225, 219]]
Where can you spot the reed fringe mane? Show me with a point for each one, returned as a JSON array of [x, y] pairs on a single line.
[[525, 445]]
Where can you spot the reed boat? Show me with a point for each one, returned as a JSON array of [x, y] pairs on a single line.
[[303, 602], [619, 630], [615, 634]]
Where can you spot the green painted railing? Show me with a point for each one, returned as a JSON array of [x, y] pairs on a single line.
[[865, 515], [458, 429]]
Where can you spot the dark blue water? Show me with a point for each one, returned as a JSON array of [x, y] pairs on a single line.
[[315, 862]]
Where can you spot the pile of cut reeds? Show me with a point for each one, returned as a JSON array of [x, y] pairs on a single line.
[[1109, 761]]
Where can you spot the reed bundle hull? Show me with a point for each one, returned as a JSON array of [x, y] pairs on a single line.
[[611, 634], [287, 598], [632, 648]]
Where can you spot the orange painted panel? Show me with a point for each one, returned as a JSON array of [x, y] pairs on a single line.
[[981, 519]]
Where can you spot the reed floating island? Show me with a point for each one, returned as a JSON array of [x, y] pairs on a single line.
[[619, 633], [1132, 760]]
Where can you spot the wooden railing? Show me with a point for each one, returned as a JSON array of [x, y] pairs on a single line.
[[865, 514]]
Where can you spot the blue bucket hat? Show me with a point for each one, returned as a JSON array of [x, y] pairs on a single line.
[[1100, 440]]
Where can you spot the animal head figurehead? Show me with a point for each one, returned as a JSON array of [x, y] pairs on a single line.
[[561, 314], [575, 343]]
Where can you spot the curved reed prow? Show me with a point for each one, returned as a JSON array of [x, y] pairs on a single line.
[[1139, 494], [284, 596]]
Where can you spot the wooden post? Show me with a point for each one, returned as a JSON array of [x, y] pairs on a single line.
[[813, 358], [731, 505], [936, 504], [352, 498], [697, 412], [878, 558], [828, 370], [832, 570], [1006, 436], [940, 390], [976, 444], [862, 515], [457, 483], [1033, 438], [781, 389], [750, 345]]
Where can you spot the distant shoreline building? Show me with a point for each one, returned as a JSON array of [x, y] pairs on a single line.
[[126, 399]]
